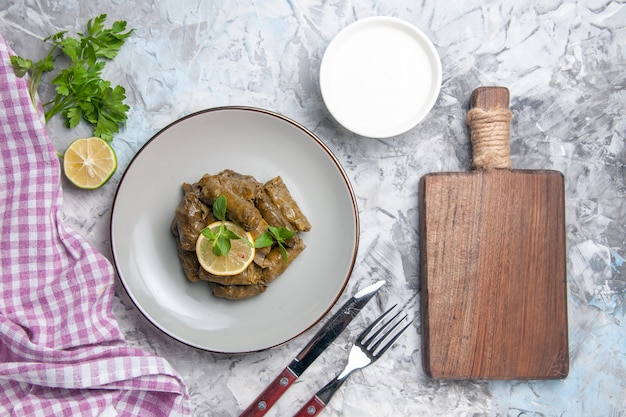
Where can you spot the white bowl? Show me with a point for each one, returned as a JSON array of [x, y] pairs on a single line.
[[380, 77]]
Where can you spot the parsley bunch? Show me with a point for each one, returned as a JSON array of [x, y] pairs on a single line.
[[81, 93]]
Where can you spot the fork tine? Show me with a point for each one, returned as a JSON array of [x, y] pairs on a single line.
[[391, 342], [388, 331], [379, 337], [382, 328], [369, 328]]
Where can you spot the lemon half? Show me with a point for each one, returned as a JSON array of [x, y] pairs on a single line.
[[89, 163], [235, 262]]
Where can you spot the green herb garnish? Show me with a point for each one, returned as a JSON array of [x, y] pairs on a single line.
[[275, 234], [81, 92], [221, 238]]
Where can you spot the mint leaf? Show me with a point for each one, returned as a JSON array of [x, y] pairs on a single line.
[[283, 252], [221, 246], [264, 240], [281, 233], [275, 234], [229, 234], [219, 207], [208, 233]]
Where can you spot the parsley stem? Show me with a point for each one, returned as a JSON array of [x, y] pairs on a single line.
[[34, 84], [32, 89], [35, 78], [57, 106]]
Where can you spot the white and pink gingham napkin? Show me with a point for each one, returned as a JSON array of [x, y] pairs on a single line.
[[61, 350]]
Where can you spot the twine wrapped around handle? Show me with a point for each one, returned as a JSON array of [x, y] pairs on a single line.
[[489, 119]]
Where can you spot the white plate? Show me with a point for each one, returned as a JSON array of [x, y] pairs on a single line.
[[380, 77], [255, 142]]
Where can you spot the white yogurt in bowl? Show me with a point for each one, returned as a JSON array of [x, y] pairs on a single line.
[[380, 77]]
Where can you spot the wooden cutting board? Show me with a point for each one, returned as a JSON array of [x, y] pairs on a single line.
[[493, 261]]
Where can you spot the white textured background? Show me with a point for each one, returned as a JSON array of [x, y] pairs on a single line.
[[563, 62]]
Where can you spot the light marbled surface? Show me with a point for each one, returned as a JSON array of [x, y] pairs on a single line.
[[563, 62]]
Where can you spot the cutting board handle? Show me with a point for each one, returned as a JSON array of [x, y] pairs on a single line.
[[489, 120]]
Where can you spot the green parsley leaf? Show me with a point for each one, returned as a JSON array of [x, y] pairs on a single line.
[[21, 66], [73, 115], [45, 65], [96, 24], [71, 47]]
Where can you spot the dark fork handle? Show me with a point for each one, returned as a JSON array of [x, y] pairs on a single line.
[[317, 402], [312, 408]]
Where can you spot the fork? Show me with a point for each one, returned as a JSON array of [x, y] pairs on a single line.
[[365, 351]]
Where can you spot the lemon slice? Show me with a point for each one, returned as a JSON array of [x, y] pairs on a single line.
[[89, 163], [235, 262]]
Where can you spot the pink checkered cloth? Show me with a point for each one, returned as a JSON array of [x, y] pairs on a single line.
[[61, 350]]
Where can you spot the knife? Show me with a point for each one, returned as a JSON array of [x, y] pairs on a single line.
[[322, 339]]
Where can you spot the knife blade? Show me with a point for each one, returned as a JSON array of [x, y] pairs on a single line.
[[322, 339]]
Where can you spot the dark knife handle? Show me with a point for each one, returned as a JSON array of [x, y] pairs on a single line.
[[312, 408], [271, 394]]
